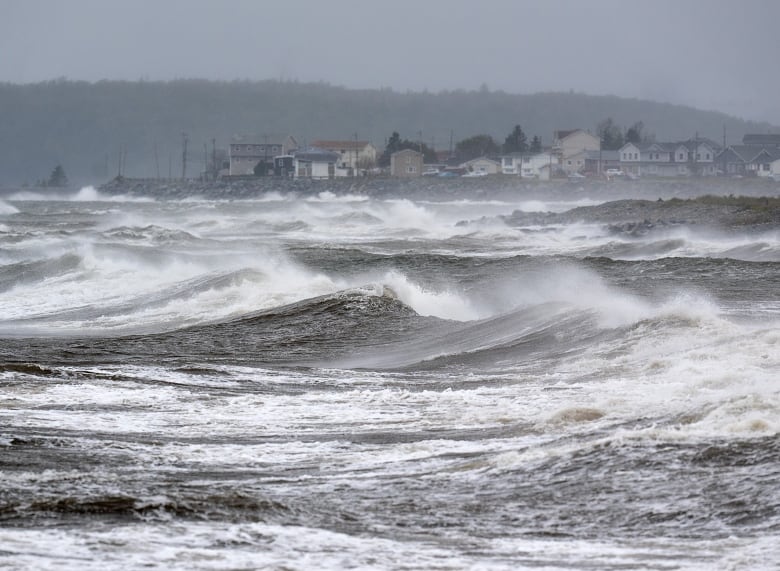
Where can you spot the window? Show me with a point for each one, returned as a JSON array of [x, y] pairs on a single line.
[[707, 156], [411, 170], [698, 156]]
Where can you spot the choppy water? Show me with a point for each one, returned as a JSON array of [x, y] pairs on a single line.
[[338, 382]]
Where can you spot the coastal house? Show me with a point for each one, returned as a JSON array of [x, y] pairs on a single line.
[[315, 163], [566, 144], [354, 156], [762, 139], [692, 157], [254, 155], [701, 156], [481, 165], [599, 162], [512, 163], [406, 163], [748, 160], [774, 169], [574, 163], [527, 165]]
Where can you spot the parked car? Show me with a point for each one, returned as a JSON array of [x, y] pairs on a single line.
[[614, 172]]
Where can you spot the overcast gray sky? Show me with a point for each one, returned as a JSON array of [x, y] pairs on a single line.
[[711, 54]]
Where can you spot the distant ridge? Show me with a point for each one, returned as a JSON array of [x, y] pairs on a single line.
[[86, 127]]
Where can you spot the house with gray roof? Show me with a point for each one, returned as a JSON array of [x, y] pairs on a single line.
[[315, 163], [692, 157], [762, 139], [748, 160], [254, 154]]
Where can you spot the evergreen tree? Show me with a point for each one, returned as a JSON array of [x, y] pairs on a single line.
[[476, 146], [610, 134], [395, 143], [536, 145], [516, 141], [57, 177], [634, 133]]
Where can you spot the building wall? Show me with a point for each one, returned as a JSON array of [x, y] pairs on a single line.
[[537, 166], [511, 165], [573, 163], [482, 165], [314, 169], [245, 155], [578, 142], [348, 158], [406, 163]]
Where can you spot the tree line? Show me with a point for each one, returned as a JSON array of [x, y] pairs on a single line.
[[91, 128], [483, 145]]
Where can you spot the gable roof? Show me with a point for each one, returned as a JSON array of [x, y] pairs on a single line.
[[346, 145], [314, 154], [479, 160], [762, 139], [561, 135], [271, 139], [406, 151], [751, 153]]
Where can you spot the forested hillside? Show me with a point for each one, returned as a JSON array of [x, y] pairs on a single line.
[[86, 127]]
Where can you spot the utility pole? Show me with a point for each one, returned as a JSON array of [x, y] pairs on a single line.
[[265, 160], [157, 160], [205, 162], [214, 169], [184, 141], [354, 170]]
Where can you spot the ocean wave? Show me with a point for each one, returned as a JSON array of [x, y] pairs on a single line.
[[30, 271], [6, 209]]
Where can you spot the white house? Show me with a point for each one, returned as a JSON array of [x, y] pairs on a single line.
[[569, 143], [774, 169], [527, 165], [314, 163], [767, 163], [695, 156], [353, 155], [482, 165]]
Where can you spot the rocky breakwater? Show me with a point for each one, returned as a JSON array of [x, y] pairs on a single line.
[[379, 187], [640, 217]]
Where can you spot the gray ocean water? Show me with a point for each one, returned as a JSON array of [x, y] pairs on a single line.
[[340, 381]]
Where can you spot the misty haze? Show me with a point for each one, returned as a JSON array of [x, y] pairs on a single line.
[[384, 286]]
